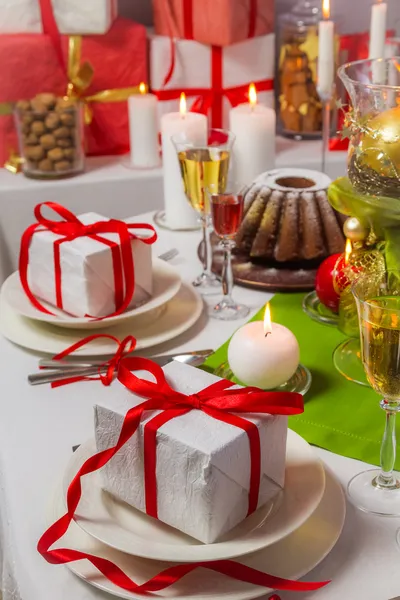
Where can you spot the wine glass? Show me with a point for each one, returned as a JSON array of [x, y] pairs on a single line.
[[203, 164], [377, 297], [227, 213]]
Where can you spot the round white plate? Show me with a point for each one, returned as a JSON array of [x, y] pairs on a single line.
[[179, 314], [291, 558], [124, 528], [166, 284]]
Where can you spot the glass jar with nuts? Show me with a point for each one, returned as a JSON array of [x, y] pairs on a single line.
[[50, 134]]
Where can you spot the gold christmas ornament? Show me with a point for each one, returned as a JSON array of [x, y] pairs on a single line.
[[379, 146], [354, 230]]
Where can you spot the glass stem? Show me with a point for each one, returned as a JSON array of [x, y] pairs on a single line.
[[326, 126], [227, 274], [388, 448], [207, 250]]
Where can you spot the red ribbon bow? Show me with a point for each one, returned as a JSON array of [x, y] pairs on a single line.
[[125, 347], [71, 228], [217, 402]]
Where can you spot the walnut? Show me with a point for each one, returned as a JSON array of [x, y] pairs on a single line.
[[34, 152], [48, 141], [63, 165], [67, 118], [62, 132], [55, 154], [38, 127], [46, 165], [52, 121], [49, 100]]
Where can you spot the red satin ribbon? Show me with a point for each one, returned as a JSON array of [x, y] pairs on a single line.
[[50, 28], [124, 348], [187, 9], [70, 229], [215, 399]]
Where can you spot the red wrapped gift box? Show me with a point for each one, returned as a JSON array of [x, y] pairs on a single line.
[[29, 65], [214, 22]]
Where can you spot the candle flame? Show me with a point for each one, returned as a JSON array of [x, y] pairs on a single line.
[[326, 9], [267, 320], [182, 104], [142, 88], [348, 251], [252, 95]]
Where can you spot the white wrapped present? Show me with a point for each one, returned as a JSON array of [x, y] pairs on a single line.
[[226, 73], [72, 16], [87, 271], [203, 464]]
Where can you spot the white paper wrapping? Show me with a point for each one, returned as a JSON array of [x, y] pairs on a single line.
[[203, 465], [243, 63], [72, 16], [87, 273]]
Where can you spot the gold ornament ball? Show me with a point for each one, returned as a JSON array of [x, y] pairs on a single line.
[[354, 230], [380, 144]]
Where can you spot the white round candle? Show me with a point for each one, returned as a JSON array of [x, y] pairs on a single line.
[[143, 130], [263, 361], [178, 212], [254, 148], [326, 58], [378, 30]]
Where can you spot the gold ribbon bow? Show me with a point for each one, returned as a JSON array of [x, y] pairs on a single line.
[[80, 77]]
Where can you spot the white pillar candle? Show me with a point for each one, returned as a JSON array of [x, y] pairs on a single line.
[[378, 30], [264, 355], [143, 131], [326, 53], [254, 148], [178, 212]]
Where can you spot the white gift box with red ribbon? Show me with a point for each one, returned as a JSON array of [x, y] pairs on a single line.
[[212, 78], [203, 464], [72, 16]]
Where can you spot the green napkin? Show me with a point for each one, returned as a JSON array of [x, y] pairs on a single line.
[[339, 415]]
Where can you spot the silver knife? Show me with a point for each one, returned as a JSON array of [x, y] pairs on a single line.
[[74, 362], [50, 376]]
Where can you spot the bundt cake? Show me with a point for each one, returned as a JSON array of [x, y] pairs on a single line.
[[289, 221]]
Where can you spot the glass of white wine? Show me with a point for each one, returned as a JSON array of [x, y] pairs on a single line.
[[202, 165], [377, 297]]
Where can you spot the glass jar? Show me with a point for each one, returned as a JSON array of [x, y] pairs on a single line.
[[50, 136]]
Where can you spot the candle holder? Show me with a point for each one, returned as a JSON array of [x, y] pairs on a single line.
[[300, 382], [326, 101], [314, 308]]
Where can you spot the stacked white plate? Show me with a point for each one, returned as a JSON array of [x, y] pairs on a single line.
[[286, 538], [174, 307]]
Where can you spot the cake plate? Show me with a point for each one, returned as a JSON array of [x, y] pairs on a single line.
[[317, 311], [257, 276]]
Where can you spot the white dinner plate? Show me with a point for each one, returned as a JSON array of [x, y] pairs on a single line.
[[290, 558], [124, 528], [166, 284], [179, 314]]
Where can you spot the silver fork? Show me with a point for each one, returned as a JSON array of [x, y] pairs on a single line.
[[169, 254]]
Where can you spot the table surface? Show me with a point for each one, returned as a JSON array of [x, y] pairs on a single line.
[[39, 426]]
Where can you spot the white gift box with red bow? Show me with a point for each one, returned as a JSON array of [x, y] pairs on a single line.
[[202, 464]]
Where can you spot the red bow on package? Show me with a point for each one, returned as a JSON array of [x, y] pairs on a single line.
[[71, 228], [218, 402]]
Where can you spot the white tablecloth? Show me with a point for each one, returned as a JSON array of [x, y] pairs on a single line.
[[39, 426]]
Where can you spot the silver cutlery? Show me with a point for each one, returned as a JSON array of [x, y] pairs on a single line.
[[169, 254], [84, 369]]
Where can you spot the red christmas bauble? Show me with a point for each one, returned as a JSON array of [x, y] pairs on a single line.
[[324, 287]]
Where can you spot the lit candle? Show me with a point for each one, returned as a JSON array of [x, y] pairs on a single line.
[[378, 30], [143, 132], [254, 148], [326, 53], [178, 212], [263, 354]]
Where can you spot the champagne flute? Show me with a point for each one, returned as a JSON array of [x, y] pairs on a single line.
[[227, 214], [202, 163], [377, 297]]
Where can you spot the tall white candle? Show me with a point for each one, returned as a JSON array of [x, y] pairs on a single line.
[[254, 148], [178, 212], [378, 30], [326, 53], [143, 131]]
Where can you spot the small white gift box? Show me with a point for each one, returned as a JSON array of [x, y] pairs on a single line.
[[202, 464], [78, 17], [87, 271], [226, 72]]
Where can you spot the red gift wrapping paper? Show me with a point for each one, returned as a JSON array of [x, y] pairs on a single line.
[[216, 23], [29, 65]]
